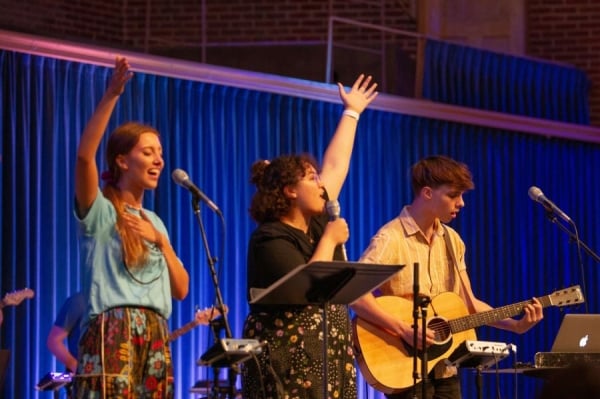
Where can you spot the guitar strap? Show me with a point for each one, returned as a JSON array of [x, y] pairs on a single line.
[[450, 249]]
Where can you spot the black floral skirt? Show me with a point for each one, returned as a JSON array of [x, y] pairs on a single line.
[[291, 365]]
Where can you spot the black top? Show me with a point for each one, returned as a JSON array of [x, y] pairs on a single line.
[[277, 248]]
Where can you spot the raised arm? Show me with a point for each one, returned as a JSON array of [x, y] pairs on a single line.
[[336, 160], [86, 170]]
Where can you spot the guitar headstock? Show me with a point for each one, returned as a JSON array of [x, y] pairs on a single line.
[[207, 315], [567, 296], [16, 297]]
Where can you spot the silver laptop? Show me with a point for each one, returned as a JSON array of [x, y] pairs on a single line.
[[578, 333]]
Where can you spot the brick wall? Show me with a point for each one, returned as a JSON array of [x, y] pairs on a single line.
[[180, 22], [288, 37], [568, 31]]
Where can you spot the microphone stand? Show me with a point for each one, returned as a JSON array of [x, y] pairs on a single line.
[[575, 237], [479, 381], [220, 304], [419, 302]]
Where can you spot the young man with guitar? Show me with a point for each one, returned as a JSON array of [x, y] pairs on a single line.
[[419, 235]]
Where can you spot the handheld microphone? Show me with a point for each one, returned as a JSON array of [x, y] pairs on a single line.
[[181, 178], [538, 196], [333, 210]]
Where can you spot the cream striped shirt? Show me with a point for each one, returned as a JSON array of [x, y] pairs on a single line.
[[401, 242]]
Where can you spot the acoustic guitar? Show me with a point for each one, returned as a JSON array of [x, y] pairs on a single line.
[[386, 361]]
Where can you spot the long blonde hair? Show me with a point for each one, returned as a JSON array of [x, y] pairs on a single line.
[[120, 142]]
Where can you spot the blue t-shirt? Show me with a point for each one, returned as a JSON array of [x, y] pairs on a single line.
[[69, 317], [108, 283]]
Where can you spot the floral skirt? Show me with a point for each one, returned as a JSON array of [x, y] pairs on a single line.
[[291, 365], [124, 354]]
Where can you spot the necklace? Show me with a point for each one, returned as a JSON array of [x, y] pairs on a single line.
[[310, 239], [138, 280], [133, 208]]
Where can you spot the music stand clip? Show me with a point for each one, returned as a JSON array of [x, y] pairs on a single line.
[[229, 351], [53, 381], [478, 354]]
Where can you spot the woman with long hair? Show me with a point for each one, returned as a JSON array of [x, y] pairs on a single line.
[[131, 270]]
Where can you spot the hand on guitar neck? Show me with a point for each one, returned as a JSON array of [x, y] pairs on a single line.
[[204, 316]]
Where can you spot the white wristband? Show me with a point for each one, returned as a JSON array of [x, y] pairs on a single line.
[[351, 114]]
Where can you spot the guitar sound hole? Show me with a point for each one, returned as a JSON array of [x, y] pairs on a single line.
[[441, 328]]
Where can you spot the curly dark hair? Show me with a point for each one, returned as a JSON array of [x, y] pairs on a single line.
[[438, 170], [269, 202]]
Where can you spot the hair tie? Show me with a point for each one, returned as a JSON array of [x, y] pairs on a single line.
[[107, 177]]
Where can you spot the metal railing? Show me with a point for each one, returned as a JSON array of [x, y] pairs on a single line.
[[382, 51]]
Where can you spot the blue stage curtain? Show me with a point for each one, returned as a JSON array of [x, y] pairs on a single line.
[[215, 133], [483, 79]]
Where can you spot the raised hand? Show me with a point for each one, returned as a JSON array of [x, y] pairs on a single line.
[[121, 75], [360, 95]]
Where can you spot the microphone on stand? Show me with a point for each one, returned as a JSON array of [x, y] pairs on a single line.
[[538, 196], [333, 210], [181, 178]]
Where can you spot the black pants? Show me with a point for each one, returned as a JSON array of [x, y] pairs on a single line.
[[442, 388]]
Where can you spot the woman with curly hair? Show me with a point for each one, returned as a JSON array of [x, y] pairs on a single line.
[[293, 229]]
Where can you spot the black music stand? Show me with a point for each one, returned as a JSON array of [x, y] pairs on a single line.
[[324, 283], [335, 282]]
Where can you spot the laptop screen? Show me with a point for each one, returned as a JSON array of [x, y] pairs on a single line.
[[578, 333]]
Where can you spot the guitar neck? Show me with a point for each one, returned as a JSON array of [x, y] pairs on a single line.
[[182, 330], [491, 316]]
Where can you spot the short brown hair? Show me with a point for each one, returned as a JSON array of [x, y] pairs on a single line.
[[439, 170]]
